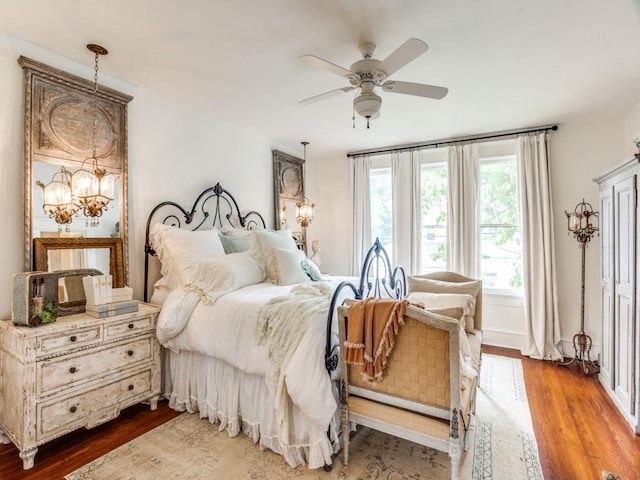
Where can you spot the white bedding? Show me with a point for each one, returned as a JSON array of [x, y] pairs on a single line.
[[228, 330]]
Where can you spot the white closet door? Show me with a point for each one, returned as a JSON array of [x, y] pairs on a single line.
[[606, 286], [624, 293]]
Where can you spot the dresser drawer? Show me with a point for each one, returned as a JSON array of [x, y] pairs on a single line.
[[85, 366], [92, 407], [133, 326], [64, 341]]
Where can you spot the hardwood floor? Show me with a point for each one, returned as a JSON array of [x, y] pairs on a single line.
[[579, 431]]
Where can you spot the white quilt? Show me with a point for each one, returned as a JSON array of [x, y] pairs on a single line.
[[228, 330]]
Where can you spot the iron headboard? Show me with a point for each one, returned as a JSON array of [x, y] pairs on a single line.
[[214, 207]]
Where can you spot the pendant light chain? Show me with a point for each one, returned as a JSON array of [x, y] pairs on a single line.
[[95, 102]]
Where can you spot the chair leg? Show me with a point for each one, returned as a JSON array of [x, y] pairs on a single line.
[[455, 455], [345, 434]]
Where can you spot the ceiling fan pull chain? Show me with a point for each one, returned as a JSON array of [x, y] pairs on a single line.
[[353, 117], [368, 122]]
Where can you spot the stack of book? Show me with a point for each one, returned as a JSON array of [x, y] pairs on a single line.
[[111, 309]]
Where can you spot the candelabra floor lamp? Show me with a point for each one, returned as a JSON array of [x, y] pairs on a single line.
[[582, 223]]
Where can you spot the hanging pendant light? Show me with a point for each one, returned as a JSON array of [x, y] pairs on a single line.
[[92, 186], [58, 202], [304, 209]]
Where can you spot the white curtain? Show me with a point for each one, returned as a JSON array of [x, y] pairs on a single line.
[[462, 209], [415, 264], [542, 323], [402, 204], [360, 167]]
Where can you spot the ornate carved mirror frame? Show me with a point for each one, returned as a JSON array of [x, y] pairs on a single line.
[[288, 187], [58, 121]]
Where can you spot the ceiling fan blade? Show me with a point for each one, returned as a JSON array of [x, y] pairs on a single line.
[[322, 96], [327, 65], [404, 54], [417, 89]]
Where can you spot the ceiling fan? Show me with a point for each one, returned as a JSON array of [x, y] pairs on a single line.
[[369, 73]]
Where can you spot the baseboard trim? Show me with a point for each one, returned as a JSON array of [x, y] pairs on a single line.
[[503, 338]]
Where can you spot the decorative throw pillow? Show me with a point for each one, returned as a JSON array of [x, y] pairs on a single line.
[[261, 243], [311, 269], [288, 266], [433, 301], [453, 312], [418, 284]]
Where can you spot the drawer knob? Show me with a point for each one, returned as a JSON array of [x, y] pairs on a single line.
[[72, 370], [130, 353], [73, 409], [73, 338], [130, 325], [130, 387]]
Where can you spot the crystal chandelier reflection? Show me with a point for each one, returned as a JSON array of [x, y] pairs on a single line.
[[58, 200]]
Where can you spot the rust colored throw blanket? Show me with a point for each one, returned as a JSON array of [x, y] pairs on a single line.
[[373, 322]]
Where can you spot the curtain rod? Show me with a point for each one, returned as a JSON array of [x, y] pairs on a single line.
[[449, 141]]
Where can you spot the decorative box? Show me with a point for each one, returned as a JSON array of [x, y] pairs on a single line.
[[35, 298]]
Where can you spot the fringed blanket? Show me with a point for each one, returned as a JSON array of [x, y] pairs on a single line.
[[373, 322], [282, 324]]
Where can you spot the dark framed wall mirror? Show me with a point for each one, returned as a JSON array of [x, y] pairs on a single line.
[[61, 110]]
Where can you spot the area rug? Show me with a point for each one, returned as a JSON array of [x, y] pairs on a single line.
[[501, 445]]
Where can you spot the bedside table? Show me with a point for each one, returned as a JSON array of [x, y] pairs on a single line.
[[79, 371]]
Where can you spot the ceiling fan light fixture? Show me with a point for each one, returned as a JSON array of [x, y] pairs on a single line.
[[367, 104]]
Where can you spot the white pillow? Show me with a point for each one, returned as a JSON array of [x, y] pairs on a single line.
[[447, 300], [261, 243], [180, 251], [215, 277], [288, 266]]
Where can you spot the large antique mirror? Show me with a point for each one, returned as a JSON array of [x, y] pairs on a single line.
[[288, 183], [67, 118]]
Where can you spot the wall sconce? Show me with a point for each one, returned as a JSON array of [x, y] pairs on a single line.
[[283, 217], [58, 200]]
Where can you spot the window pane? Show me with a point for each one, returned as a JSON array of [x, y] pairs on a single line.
[[381, 212], [433, 185], [500, 249]]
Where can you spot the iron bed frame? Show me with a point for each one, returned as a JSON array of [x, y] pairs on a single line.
[[216, 207]]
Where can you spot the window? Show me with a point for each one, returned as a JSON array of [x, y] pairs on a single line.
[[433, 209], [497, 228], [500, 247]]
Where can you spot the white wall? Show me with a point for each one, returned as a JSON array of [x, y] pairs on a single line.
[[174, 153], [632, 128], [580, 151]]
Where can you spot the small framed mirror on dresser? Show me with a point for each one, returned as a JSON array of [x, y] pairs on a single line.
[[73, 125]]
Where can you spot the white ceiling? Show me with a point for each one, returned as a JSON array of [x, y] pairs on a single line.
[[507, 64]]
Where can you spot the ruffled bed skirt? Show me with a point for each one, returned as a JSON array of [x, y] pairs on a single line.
[[242, 402]]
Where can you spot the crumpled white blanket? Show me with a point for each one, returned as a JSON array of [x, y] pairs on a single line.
[[282, 325]]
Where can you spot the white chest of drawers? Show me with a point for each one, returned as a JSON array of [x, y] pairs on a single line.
[[77, 372]]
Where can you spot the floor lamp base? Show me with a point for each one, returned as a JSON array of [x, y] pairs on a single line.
[[582, 348]]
